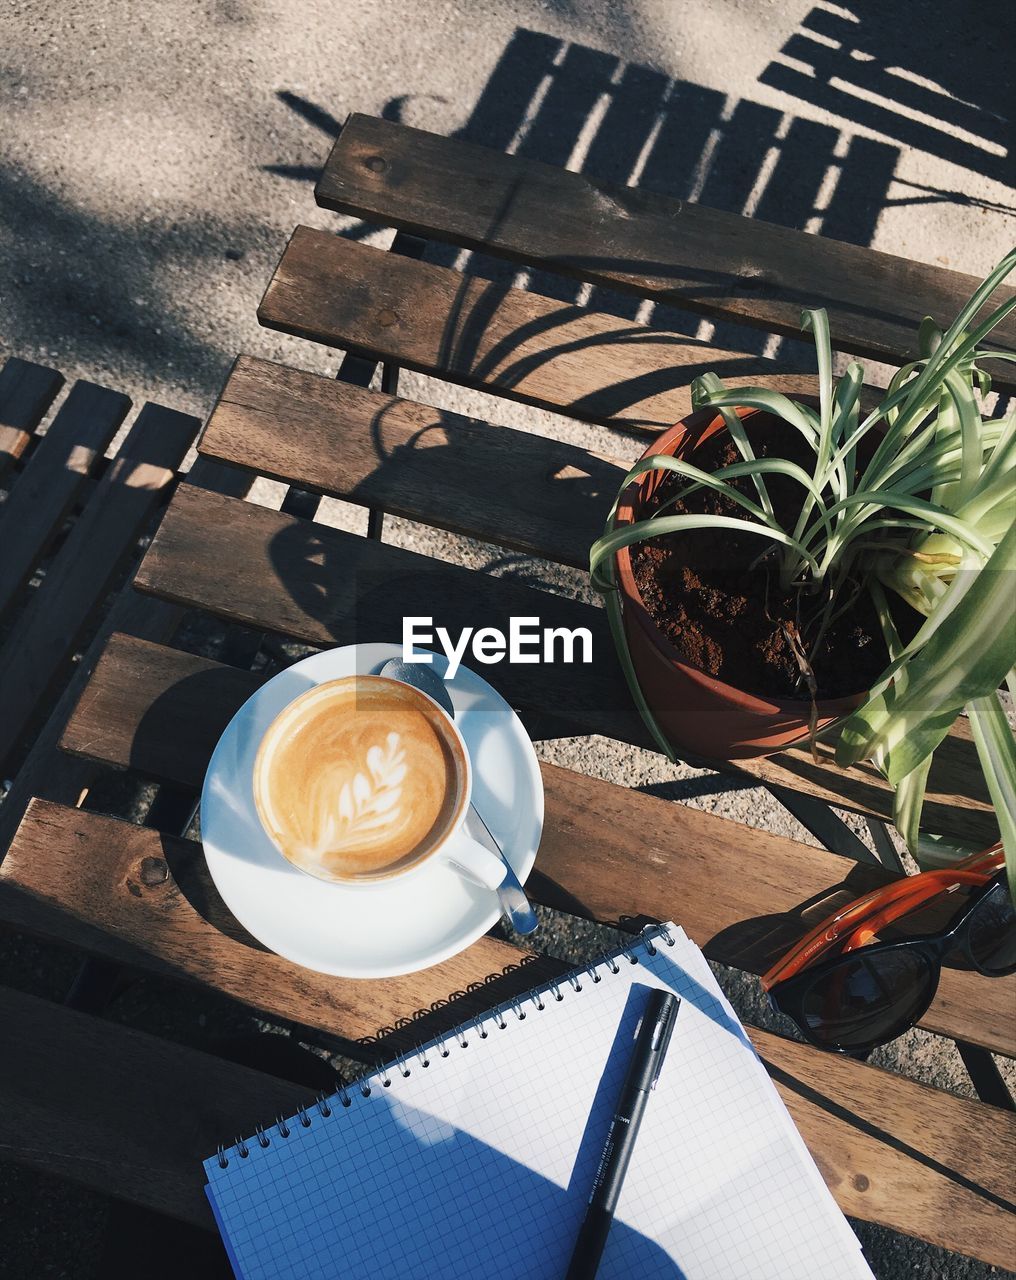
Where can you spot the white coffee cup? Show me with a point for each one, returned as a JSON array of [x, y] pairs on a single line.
[[352, 766]]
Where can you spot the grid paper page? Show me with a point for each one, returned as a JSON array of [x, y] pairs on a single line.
[[481, 1163]]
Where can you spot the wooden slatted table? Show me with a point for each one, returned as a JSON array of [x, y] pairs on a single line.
[[893, 1151]]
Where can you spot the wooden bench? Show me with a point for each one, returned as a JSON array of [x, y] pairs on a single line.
[[893, 1151], [73, 519]]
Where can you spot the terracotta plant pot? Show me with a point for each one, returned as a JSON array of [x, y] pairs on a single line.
[[698, 713]]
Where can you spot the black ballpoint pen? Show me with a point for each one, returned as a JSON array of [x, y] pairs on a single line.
[[654, 1034]]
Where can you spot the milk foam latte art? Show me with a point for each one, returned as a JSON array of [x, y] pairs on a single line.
[[359, 779]]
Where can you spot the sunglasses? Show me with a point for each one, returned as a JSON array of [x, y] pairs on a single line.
[[851, 993]]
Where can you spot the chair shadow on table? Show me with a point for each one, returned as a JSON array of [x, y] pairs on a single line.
[[638, 131]]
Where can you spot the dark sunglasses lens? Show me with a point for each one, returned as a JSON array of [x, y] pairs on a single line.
[[866, 1000], [991, 932]]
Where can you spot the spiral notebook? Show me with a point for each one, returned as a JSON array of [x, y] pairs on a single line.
[[473, 1156]]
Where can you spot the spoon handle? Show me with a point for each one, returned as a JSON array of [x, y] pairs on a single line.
[[510, 892]]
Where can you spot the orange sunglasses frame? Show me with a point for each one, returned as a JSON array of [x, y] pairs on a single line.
[[857, 924]]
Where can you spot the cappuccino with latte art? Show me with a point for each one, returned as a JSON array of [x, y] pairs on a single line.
[[359, 779]]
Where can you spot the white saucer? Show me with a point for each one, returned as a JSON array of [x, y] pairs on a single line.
[[382, 930]]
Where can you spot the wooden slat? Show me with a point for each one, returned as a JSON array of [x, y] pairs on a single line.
[[720, 264], [957, 800], [161, 711], [270, 426], [26, 392], [744, 895], [37, 650], [55, 775], [924, 1168], [85, 424], [325, 587], [511, 342], [892, 1151], [518, 490], [145, 899], [122, 1112]]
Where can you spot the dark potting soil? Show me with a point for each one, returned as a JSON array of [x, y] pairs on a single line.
[[729, 619]]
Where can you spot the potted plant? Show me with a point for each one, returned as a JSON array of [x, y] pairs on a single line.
[[773, 568]]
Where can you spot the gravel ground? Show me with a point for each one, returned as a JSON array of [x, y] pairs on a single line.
[[154, 159]]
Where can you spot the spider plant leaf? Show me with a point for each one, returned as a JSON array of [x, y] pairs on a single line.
[[818, 322], [965, 348], [1003, 455], [715, 480], [993, 509], [710, 384], [969, 417], [984, 354], [611, 542], [935, 851], [908, 803], [978, 298], [957, 345], [996, 749], [909, 795], [943, 675], [944, 608], [890, 500], [917, 741], [718, 481], [616, 623], [958, 338], [839, 472], [699, 480], [947, 427], [762, 398], [929, 335]]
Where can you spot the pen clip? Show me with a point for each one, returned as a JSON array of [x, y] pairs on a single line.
[[662, 1032]]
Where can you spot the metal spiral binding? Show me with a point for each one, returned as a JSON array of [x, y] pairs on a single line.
[[517, 1004], [652, 932]]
